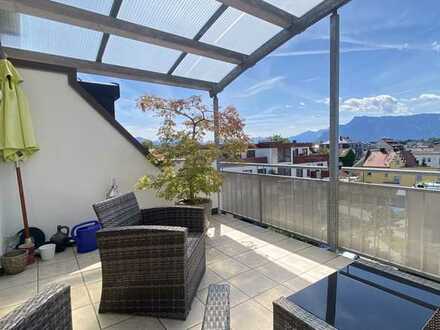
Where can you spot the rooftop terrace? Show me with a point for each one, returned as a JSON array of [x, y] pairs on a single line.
[[259, 264]]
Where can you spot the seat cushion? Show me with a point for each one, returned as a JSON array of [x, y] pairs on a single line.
[[193, 239]]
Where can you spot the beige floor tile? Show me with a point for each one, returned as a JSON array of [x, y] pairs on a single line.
[[235, 295], [270, 236], [95, 289], [27, 276], [252, 283], [6, 310], [266, 298], [17, 294], [79, 297], [276, 272], [210, 277], [292, 245], [84, 318], [66, 255], [71, 279], [92, 275], [58, 268], [252, 242], [251, 316], [194, 317], [110, 319], [317, 254], [233, 249], [89, 261], [339, 262], [228, 268], [252, 259], [296, 264], [138, 323], [297, 284], [272, 251], [213, 255]]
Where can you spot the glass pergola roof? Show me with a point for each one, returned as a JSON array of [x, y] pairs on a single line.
[[201, 44]]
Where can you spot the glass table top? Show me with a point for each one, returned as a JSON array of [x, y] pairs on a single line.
[[360, 297]]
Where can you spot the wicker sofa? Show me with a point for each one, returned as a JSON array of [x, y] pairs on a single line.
[[152, 259], [50, 309]]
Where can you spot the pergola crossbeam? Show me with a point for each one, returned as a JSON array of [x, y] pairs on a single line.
[[108, 69], [316, 14], [264, 11], [200, 34], [113, 13], [107, 24]]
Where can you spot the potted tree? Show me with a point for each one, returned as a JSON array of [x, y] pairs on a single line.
[[186, 156]]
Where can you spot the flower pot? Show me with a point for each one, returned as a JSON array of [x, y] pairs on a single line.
[[14, 262], [204, 203]]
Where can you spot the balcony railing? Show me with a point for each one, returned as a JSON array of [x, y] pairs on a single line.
[[395, 224]]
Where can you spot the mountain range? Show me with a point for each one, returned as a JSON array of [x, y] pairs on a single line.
[[367, 129]]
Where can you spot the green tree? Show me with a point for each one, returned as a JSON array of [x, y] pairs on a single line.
[[279, 139], [148, 144], [186, 125], [348, 158]]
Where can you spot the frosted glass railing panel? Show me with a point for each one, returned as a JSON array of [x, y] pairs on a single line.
[[401, 226], [296, 205], [240, 195]]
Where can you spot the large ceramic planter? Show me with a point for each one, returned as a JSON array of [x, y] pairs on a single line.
[[206, 204]]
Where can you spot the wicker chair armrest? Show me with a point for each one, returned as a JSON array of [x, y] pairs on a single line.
[[287, 315], [122, 243], [50, 309], [217, 310], [191, 217]]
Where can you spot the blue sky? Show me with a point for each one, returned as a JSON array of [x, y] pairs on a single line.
[[390, 65]]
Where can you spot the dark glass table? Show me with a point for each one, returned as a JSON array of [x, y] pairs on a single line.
[[359, 297]]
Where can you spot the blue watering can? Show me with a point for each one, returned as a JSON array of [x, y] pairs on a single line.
[[84, 235]]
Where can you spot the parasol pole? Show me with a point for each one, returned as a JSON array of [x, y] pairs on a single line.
[[22, 203]]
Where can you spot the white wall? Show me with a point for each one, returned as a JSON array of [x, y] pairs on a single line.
[[80, 154]]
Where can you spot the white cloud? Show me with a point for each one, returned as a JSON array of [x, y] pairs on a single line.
[[426, 98], [265, 85], [387, 104], [380, 104], [302, 104], [436, 46]]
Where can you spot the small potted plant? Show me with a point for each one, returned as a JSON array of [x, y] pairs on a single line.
[[187, 157]]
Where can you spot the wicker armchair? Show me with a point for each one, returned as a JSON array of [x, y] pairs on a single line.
[[152, 260], [50, 309], [217, 310]]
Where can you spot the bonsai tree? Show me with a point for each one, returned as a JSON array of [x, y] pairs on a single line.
[[187, 169]]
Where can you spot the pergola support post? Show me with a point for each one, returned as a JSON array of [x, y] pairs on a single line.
[[216, 138], [333, 186]]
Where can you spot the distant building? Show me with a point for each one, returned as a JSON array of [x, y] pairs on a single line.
[[429, 157], [388, 158], [345, 143], [284, 153]]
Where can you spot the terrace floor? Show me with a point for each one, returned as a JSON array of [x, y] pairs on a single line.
[[259, 264]]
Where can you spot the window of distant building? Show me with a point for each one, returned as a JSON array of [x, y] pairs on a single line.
[[250, 154], [369, 173], [247, 171], [386, 175], [261, 171], [299, 173], [396, 179], [419, 177], [429, 160]]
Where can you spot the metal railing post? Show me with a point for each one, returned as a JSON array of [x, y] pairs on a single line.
[[333, 189], [260, 197]]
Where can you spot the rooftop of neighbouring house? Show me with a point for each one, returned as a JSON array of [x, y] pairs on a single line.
[[259, 264]]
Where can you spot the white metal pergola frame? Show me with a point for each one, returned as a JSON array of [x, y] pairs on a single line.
[[111, 25]]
